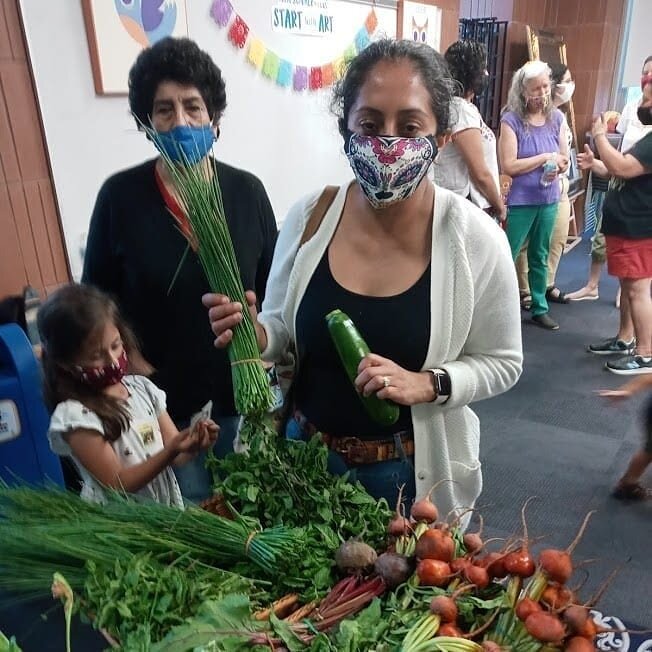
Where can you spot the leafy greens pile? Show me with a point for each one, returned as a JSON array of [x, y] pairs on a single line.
[[282, 482]]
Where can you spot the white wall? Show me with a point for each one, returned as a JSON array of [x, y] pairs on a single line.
[[638, 45], [288, 139]]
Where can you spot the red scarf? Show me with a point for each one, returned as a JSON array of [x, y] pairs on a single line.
[[176, 211]]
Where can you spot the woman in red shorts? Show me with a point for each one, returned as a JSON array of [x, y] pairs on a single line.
[[627, 226]]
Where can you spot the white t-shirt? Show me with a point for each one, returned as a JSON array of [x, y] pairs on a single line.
[[630, 126], [140, 441], [628, 116], [450, 169]]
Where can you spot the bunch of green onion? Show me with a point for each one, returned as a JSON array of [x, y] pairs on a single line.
[[47, 530], [200, 196]]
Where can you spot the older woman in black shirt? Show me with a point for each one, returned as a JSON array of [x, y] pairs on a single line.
[[137, 250]]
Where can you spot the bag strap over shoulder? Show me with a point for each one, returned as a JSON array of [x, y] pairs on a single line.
[[318, 213]]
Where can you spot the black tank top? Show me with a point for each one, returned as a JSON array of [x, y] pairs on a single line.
[[396, 327]]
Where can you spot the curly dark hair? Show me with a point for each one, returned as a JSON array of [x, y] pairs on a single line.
[[428, 63], [467, 61], [179, 60]]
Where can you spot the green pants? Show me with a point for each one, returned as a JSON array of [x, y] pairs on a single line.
[[535, 223]]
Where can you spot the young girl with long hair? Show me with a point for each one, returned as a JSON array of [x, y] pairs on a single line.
[[113, 426]]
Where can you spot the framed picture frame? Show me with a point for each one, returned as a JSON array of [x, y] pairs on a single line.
[[118, 31], [419, 21]]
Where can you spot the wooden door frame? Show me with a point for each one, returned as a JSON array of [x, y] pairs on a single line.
[[34, 242]]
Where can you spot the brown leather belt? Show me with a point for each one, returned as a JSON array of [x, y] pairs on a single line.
[[361, 451], [369, 451]]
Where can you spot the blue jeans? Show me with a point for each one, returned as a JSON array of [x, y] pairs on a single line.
[[380, 479], [195, 481]]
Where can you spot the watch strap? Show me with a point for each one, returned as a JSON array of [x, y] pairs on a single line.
[[442, 384]]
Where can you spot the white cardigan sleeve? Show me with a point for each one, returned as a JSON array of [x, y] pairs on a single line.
[[492, 358], [272, 316]]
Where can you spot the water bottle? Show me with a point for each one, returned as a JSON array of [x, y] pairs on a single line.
[[549, 172]]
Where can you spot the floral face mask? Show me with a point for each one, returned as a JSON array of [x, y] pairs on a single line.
[[101, 377], [538, 101], [389, 168]]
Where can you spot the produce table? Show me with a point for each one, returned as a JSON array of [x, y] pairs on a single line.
[[287, 568], [37, 635]]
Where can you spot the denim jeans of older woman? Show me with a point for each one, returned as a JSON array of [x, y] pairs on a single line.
[[381, 479]]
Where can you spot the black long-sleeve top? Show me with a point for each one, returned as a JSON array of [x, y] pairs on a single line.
[[133, 251]]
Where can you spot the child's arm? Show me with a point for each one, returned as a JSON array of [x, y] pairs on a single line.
[[637, 384], [203, 436], [97, 456]]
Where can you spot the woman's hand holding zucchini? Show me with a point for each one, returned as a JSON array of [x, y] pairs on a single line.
[[381, 383], [224, 315], [405, 387]]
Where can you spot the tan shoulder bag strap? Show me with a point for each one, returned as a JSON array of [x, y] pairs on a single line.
[[318, 213]]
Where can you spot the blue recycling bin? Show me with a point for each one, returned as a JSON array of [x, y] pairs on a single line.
[[25, 453]]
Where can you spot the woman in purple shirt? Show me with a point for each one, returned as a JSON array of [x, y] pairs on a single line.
[[533, 150]]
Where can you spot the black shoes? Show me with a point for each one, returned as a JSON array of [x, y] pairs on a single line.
[[545, 321]]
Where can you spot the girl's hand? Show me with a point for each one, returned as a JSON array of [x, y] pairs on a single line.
[[585, 159], [634, 386], [224, 315], [614, 394], [206, 432], [390, 381], [184, 442]]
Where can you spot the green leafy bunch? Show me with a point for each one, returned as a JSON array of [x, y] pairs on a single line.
[[286, 482], [139, 600]]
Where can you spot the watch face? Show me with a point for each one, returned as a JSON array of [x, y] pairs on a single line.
[[443, 383]]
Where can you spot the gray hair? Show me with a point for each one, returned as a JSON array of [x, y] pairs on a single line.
[[516, 99]]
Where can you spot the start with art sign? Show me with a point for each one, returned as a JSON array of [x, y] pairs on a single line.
[[307, 17]]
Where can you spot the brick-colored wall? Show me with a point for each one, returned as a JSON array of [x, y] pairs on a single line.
[[591, 30]]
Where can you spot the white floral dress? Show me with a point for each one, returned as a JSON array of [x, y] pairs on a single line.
[[140, 441]]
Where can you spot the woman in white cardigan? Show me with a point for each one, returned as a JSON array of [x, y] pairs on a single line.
[[426, 276]]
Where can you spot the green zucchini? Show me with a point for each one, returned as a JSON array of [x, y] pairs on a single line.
[[352, 348]]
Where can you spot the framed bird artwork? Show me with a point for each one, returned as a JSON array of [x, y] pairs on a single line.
[[420, 22], [118, 30]]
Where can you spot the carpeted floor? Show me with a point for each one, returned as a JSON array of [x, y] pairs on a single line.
[[550, 437]]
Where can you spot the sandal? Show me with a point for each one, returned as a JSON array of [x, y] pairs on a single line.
[[559, 297], [631, 492], [526, 302]]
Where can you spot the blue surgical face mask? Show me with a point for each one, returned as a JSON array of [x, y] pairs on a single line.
[[185, 144]]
